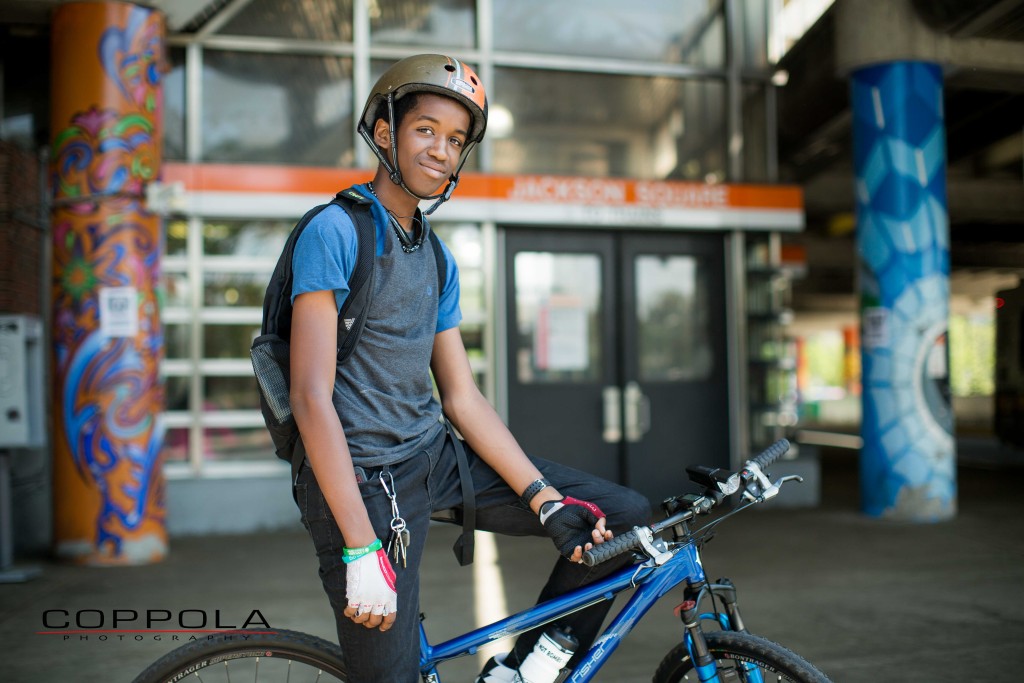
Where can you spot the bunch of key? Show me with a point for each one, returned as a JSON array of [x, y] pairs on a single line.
[[398, 539]]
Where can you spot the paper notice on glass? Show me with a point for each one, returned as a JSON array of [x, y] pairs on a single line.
[[119, 311], [560, 339]]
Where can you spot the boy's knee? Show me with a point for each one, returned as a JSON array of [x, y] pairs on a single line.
[[633, 509]]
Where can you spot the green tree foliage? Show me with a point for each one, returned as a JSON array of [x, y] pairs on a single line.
[[972, 355]]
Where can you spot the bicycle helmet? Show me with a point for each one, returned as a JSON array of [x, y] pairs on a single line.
[[437, 74]]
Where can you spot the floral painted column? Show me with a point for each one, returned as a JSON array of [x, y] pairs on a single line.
[[105, 117], [908, 461]]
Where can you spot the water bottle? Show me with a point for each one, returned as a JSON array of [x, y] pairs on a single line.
[[552, 652]]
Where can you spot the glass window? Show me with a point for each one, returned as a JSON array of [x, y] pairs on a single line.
[[229, 341], [237, 443], [442, 23], [24, 89], [175, 446], [672, 319], [465, 241], [245, 238], [235, 289], [755, 134], [177, 340], [176, 237], [604, 125], [174, 105], [176, 289], [670, 31], [278, 109], [752, 43], [702, 142], [558, 313], [328, 21], [176, 392], [230, 393]]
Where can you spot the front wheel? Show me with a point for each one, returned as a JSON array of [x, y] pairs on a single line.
[[740, 657], [242, 656]]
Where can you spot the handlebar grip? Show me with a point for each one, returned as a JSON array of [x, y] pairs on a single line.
[[613, 548], [771, 454]]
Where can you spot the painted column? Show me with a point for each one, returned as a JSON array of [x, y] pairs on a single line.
[[908, 461], [105, 117]]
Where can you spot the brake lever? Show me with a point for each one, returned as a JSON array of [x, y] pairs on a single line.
[[768, 489], [658, 555]]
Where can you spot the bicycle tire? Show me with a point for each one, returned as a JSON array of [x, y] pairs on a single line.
[[257, 657], [729, 650]]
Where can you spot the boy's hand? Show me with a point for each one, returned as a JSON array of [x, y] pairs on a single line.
[[574, 526], [372, 598]]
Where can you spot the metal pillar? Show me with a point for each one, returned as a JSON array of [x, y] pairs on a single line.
[[106, 147], [908, 461]]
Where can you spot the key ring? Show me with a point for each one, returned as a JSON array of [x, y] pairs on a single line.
[[397, 523]]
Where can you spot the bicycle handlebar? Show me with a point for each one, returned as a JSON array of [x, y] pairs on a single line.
[[771, 454], [639, 537], [623, 543]]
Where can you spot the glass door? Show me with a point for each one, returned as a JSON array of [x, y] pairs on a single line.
[[617, 360], [562, 348]]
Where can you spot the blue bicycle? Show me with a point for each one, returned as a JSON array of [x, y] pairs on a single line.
[[725, 652]]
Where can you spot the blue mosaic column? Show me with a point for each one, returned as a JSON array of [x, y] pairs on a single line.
[[908, 461]]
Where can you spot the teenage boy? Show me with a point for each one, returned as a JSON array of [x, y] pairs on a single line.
[[374, 435]]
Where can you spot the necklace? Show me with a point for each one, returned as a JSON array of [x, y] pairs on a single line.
[[409, 245]]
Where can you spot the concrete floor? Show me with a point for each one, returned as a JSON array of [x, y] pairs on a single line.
[[865, 600]]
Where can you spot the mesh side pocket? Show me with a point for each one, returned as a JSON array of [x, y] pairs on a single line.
[[270, 361]]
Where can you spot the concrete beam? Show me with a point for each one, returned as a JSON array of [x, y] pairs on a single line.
[[969, 199], [872, 32]]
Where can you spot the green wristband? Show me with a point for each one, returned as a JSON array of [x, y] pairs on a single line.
[[353, 554]]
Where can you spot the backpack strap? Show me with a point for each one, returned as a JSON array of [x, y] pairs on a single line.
[[439, 259], [352, 317]]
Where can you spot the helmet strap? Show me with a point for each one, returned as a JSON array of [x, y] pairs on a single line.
[[453, 182], [395, 172]]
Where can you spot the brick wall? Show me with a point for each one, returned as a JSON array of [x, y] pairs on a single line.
[[22, 234]]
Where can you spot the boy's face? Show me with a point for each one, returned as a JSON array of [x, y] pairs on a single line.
[[431, 137]]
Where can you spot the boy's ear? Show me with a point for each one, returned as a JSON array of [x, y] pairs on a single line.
[[382, 134]]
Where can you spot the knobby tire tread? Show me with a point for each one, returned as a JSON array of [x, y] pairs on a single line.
[[747, 647], [302, 647]]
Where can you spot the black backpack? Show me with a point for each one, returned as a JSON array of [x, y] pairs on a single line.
[[270, 351]]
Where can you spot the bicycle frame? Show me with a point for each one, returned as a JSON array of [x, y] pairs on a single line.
[[652, 583]]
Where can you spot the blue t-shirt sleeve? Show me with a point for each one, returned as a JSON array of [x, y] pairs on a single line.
[[449, 314], [325, 255]]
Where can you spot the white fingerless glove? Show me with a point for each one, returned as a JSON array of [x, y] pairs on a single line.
[[371, 584]]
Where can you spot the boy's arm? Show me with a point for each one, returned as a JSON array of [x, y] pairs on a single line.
[[483, 429], [313, 362]]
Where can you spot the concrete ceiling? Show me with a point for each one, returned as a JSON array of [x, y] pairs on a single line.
[[984, 108]]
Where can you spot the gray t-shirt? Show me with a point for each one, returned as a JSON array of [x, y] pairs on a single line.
[[383, 393]]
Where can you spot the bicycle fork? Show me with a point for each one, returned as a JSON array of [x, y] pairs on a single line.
[[724, 590], [703, 661], [700, 655]]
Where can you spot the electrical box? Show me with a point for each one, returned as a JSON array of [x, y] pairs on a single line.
[[22, 385]]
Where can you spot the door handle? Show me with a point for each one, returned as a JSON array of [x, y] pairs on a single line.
[[638, 412], [612, 401]]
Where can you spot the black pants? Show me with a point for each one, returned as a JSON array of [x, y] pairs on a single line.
[[429, 482]]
